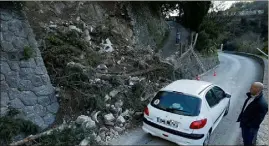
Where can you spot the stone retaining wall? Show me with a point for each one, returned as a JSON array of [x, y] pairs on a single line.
[[25, 84]]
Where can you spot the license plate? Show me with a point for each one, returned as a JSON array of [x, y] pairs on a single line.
[[170, 123]]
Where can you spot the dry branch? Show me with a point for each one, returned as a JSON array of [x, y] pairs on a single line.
[[28, 139], [34, 137], [137, 73]]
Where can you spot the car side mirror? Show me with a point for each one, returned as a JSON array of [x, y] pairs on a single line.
[[227, 95]]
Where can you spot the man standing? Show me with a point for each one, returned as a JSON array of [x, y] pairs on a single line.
[[177, 37], [252, 114]]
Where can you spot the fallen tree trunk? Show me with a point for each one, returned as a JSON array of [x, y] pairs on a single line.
[[34, 137], [133, 73], [27, 139], [144, 71]]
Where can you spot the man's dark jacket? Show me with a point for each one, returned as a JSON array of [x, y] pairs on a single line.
[[254, 113]]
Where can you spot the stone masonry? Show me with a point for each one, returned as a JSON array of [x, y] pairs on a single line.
[[25, 84]]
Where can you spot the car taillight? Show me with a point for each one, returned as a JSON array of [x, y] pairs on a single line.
[[198, 124], [146, 111]]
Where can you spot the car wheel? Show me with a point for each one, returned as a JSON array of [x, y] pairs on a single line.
[[206, 142], [227, 109], [149, 134]]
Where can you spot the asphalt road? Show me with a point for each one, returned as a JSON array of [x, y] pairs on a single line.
[[235, 75]]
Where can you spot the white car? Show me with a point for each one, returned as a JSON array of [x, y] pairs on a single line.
[[186, 112]]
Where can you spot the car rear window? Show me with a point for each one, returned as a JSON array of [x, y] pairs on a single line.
[[177, 103]]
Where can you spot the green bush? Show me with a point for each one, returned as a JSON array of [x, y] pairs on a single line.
[[66, 137], [162, 42], [54, 40], [28, 52], [203, 41], [11, 126], [132, 99]]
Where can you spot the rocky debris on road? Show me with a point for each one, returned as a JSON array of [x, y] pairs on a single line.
[[120, 120], [113, 93], [105, 74], [102, 68], [107, 46], [118, 129], [109, 118], [135, 80], [86, 122], [107, 97], [107, 80], [94, 116], [85, 142], [118, 104]]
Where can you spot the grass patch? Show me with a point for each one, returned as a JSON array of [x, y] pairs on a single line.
[[28, 53]]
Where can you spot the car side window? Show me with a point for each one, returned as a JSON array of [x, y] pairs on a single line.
[[211, 99], [220, 94]]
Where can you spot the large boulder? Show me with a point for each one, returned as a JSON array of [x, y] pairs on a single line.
[[109, 118], [119, 104], [120, 120], [86, 122], [85, 142], [113, 93]]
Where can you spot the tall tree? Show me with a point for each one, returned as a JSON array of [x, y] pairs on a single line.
[[193, 11]]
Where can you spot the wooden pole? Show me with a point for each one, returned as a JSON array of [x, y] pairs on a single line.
[[181, 48], [196, 36], [191, 38], [221, 47]]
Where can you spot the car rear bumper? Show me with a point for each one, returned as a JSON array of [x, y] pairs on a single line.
[[177, 138]]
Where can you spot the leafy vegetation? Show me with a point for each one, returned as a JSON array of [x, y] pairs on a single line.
[[77, 93], [132, 99], [193, 16], [247, 33], [68, 136], [28, 52], [11, 126], [192, 12]]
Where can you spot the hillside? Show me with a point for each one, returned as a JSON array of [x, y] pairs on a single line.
[[86, 67], [248, 29]]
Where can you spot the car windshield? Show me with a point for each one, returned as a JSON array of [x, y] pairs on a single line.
[[177, 103]]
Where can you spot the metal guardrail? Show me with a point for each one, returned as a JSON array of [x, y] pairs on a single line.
[[190, 50], [262, 52]]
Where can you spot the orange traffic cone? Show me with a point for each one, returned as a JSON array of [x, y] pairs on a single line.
[[197, 77], [215, 74]]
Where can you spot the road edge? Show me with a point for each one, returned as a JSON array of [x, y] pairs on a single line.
[[262, 138]]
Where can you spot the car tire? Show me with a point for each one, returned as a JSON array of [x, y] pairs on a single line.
[[227, 109], [150, 135], [207, 139]]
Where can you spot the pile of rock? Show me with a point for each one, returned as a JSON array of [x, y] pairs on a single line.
[[104, 133], [100, 61], [86, 122]]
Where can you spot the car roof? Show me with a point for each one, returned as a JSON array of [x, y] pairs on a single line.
[[191, 87]]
